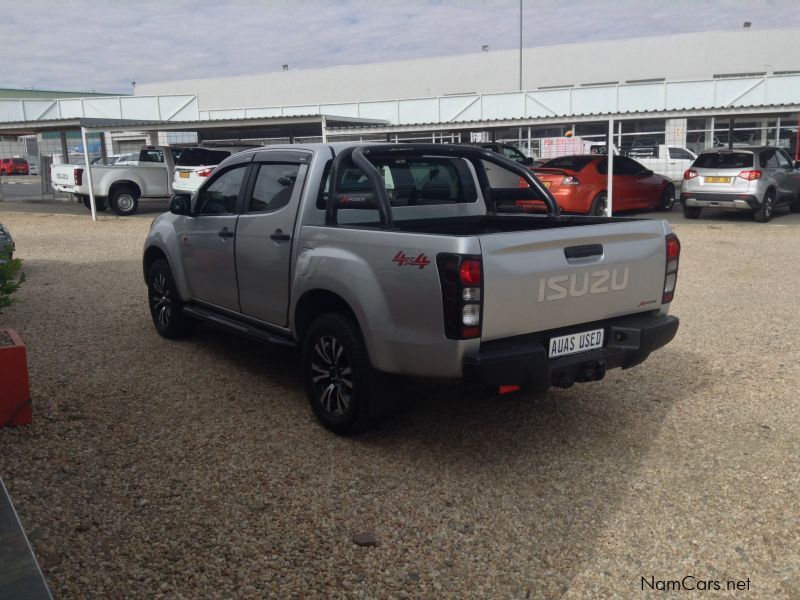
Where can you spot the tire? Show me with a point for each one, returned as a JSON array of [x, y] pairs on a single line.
[[766, 211], [124, 201], [691, 212], [100, 204], [667, 200], [337, 373], [598, 208], [166, 306]]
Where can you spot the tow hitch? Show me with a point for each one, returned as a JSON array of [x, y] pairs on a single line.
[[589, 371]]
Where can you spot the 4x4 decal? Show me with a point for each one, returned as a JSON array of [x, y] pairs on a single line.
[[402, 260]]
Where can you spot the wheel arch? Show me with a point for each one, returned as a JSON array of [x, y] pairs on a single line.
[[315, 303], [151, 255], [125, 183]]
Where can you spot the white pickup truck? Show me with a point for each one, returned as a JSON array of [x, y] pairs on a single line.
[[121, 186], [669, 161], [665, 160]]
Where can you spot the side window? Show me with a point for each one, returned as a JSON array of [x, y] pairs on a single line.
[[767, 160], [626, 166], [221, 195], [273, 187], [513, 153], [783, 160], [679, 154]]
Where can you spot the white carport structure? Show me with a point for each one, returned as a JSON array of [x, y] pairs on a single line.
[[290, 127]]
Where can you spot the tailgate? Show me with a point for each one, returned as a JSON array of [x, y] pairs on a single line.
[[540, 280], [63, 174]]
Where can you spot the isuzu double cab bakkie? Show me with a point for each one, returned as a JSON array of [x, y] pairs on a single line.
[[406, 259]]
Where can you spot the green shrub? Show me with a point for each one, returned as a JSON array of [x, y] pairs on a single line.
[[10, 276]]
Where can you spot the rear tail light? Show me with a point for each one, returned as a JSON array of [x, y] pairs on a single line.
[[671, 270], [204, 172], [77, 175], [750, 175], [689, 174], [462, 295], [570, 180]]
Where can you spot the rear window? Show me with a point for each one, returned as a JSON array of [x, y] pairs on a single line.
[[411, 181], [199, 157], [724, 160], [571, 163]]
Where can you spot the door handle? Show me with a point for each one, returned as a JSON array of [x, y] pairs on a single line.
[[224, 233], [279, 236]]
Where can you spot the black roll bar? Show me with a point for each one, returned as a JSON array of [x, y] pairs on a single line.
[[380, 200]]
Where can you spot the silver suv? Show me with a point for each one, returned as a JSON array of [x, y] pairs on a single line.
[[754, 179]]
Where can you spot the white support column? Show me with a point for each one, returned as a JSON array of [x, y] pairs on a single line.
[[324, 128], [610, 157], [530, 152], [89, 173], [778, 131]]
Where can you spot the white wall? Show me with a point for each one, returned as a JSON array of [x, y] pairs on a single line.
[[685, 56]]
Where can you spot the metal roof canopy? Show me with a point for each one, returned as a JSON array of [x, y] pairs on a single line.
[[101, 125], [559, 120]]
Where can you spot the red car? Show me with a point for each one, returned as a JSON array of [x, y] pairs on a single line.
[[579, 184], [13, 166]]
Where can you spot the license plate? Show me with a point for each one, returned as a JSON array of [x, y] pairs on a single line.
[[575, 342], [183, 174], [546, 184], [718, 179]]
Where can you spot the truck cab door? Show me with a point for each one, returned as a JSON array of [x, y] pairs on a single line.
[[206, 239], [265, 234]]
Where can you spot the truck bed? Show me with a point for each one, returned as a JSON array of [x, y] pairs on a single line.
[[489, 224]]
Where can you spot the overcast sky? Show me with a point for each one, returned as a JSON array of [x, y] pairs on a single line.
[[104, 45]]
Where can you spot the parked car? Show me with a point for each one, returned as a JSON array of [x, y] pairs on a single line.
[[6, 241], [415, 274], [33, 169], [669, 161], [121, 186], [196, 165], [750, 179], [506, 150], [579, 184], [13, 166]]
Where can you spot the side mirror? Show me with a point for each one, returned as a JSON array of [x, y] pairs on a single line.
[[527, 161], [180, 204]]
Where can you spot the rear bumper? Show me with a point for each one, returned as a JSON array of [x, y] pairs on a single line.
[[717, 200], [523, 360]]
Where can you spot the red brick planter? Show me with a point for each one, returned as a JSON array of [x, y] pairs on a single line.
[[15, 395]]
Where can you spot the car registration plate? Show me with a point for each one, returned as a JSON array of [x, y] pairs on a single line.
[[573, 343], [718, 179], [183, 174]]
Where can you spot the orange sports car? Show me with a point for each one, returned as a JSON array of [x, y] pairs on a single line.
[[579, 184]]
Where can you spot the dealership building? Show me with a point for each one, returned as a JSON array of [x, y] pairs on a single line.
[[694, 90]]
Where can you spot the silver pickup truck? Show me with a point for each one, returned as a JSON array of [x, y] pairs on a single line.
[[406, 259]]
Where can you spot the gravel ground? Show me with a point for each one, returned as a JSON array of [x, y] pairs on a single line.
[[195, 469]]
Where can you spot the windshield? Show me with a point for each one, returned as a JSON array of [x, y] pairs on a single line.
[[572, 163], [724, 160]]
